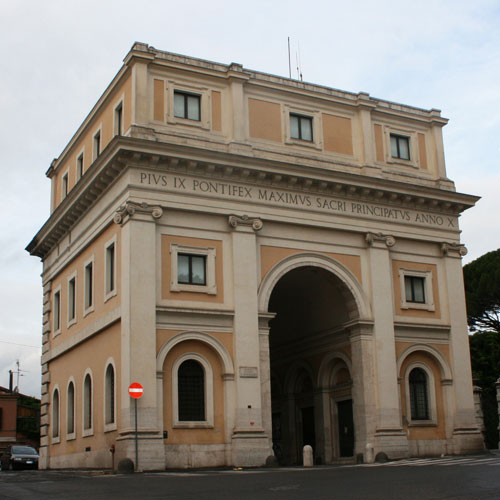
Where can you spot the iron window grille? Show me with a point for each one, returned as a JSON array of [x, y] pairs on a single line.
[[191, 391], [419, 401]]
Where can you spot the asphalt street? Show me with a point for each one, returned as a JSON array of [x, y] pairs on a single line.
[[443, 478]]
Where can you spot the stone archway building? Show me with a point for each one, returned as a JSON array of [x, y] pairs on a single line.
[[277, 263]]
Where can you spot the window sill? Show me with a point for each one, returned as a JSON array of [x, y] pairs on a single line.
[[56, 333], [110, 427], [71, 437], [416, 305], [422, 423], [178, 287], [72, 322], [110, 295], [55, 440], [193, 425], [88, 311], [88, 432]]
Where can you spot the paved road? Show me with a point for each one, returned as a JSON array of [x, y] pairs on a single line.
[[460, 478]]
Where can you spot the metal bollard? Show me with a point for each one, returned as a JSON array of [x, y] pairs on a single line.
[[307, 456]]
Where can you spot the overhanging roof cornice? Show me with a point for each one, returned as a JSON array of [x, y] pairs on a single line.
[[123, 152]]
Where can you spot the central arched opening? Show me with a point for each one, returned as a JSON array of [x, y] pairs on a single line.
[[311, 386]]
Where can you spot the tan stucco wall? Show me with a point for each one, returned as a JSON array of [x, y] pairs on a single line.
[[92, 354], [264, 120], [379, 142], [104, 116], [166, 269], [337, 134], [271, 255], [416, 266], [422, 151], [96, 248], [216, 111], [159, 100], [213, 435], [429, 431]]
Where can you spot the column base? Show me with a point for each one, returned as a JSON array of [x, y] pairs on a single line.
[[392, 442], [250, 448], [151, 450]]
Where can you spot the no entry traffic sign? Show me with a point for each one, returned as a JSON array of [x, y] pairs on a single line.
[[135, 390]]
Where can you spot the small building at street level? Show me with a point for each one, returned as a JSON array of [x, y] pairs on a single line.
[[277, 263]]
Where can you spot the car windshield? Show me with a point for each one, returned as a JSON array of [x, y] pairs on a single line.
[[24, 450]]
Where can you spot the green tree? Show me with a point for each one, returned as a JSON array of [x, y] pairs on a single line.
[[482, 292]]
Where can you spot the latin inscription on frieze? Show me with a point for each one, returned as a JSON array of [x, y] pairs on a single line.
[[230, 190]]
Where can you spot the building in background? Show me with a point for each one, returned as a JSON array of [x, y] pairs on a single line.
[[19, 419], [278, 263]]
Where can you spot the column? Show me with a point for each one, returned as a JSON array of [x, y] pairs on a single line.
[[138, 329], [389, 435], [250, 443], [466, 434]]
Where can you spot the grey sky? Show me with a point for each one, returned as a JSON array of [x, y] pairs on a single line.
[[59, 56]]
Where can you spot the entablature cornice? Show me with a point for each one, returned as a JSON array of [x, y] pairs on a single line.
[[126, 152]]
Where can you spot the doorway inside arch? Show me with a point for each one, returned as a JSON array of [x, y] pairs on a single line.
[[310, 393]]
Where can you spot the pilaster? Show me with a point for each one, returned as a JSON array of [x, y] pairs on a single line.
[[138, 284], [251, 444], [389, 435], [466, 434]]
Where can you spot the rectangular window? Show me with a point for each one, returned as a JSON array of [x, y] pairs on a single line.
[[191, 269], [79, 166], [110, 268], [415, 289], [301, 127], [71, 299], [186, 106], [65, 185], [400, 147], [97, 145], [118, 119], [57, 311], [89, 285]]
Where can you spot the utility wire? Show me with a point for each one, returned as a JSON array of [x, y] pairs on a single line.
[[24, 345]]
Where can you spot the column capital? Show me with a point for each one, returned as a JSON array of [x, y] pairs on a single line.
[[254, 222], [380, 240], [131, 208], [453, 250]]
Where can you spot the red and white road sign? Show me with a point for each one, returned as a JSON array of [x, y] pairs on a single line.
[[135, 390]]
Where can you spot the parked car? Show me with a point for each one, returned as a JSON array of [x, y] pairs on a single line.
[[19, 457]]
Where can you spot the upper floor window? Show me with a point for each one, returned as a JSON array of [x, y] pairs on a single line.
[[71, 300], [119, 119], [191, 269], [301, 127], [415, 289], [89, 286], [419, 394], [57, 311], [79, 166], [400, 147], [110, 270], [187, 106], [65, 185], [97, 144]]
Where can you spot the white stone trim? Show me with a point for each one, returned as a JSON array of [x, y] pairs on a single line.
[[88, 310], [209, 253], [431, 395], [57, 438], [428, 305], [205, 104], [324, 372], [112, 426], [317, 128], [412, 144], [434, 353], [71, 435], [209, 393], [89, 431], [73, 275], [316, 260], [56, 331], [114, 290]]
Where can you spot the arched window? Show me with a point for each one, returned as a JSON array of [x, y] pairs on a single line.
[[191, 391], [70, 410], [109, 392], [55, 414], [87, 404], [419, 395]]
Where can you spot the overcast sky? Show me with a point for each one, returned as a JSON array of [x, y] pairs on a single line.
[[57, 57]]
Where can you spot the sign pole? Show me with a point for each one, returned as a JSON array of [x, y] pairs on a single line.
[[136, 391], [136, 443]]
